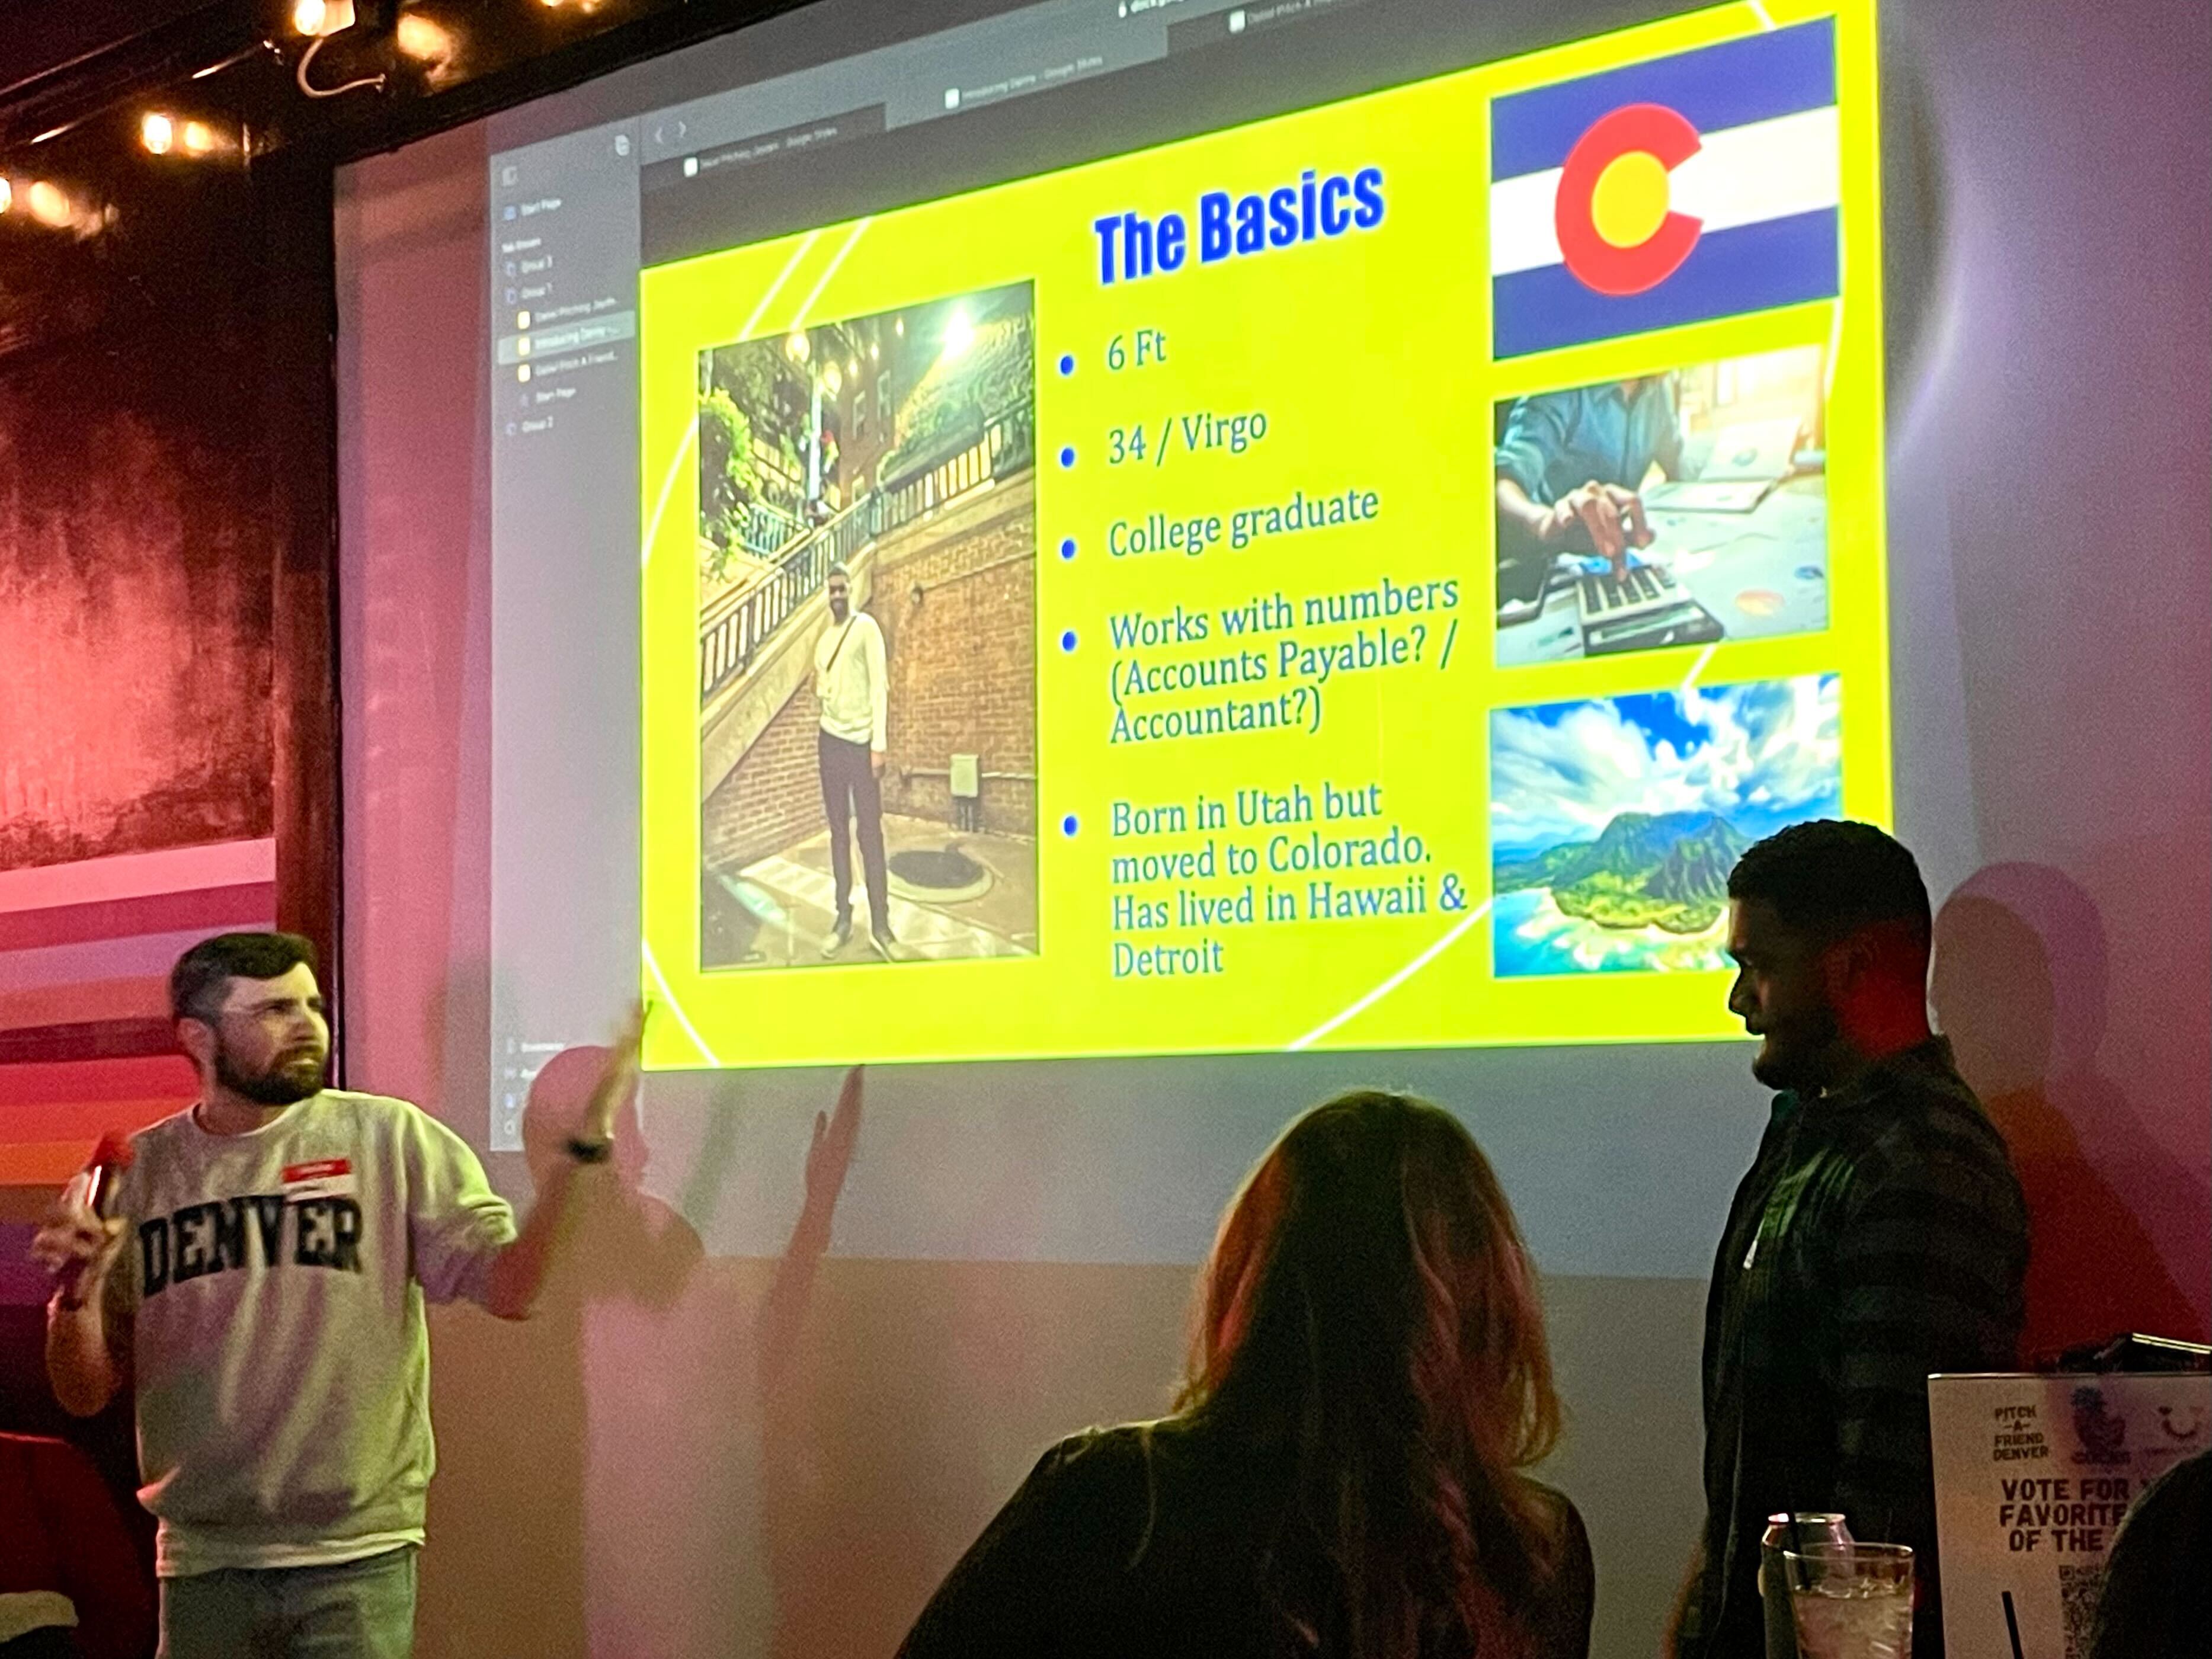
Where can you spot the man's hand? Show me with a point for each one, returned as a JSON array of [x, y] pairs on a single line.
[[79, 1249], [876, 758], [518, 1271], [75, 1245], [1603, 518], [617, 1078]]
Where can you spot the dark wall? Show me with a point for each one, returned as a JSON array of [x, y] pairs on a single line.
[[166, 654], [136, 558]]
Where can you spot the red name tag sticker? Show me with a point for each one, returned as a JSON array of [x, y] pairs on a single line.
[[325, 1177]]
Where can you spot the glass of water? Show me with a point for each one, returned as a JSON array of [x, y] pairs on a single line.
[[1852, 1600]]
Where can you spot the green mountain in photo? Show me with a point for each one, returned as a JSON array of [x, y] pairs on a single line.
[[1663, 870]]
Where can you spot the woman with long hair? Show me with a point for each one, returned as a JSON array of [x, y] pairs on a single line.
[[1342, 1475]]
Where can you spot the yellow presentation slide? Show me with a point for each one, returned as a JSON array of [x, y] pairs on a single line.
[[1354, 580]]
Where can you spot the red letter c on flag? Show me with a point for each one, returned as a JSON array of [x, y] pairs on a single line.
[[1649, 129]]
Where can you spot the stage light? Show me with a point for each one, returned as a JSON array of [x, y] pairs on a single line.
[[322, 18], [48, 206], [199, 138], [424, 39], [157, 132]]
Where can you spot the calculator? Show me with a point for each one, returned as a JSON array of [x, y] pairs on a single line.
[[1611, 598]]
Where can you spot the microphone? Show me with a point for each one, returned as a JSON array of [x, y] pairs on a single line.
[[109, 1160]]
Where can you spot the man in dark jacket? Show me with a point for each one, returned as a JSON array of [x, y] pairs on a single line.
[[1879, 1237]]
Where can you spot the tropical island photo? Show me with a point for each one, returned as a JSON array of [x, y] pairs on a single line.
[[1615, 821]]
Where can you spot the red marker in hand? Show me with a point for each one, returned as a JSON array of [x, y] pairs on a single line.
[[77, 1238]]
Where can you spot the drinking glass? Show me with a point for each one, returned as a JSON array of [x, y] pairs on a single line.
[[1852, 1601]]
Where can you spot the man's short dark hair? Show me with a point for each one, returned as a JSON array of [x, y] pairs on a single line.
[[1828, 879], [201, 979]]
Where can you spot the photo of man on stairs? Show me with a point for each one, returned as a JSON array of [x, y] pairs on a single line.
[[868, 621], [849, 685]]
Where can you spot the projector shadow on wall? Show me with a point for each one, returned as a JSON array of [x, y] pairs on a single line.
[[896, 451]]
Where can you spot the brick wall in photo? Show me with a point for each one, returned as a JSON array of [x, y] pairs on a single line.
[[962, 659], [773, 797], [958, 615]]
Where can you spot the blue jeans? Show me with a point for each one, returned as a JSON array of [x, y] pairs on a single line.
[[360, 1610]]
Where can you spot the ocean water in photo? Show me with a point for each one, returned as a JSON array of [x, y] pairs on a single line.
[[1531, 936]]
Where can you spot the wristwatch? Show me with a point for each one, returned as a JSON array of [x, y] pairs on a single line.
[[589, 1151]]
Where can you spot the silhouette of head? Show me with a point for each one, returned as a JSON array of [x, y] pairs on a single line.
[[554, 1114], [2021, 977]]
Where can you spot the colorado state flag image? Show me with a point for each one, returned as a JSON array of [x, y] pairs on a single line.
[[1700, 186]]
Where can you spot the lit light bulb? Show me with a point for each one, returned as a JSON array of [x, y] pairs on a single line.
[[797, 345], [157, 132], [47, 204], [199, 138], [422, 37], [322, 17], [6, 194], [959, 334], [832, 380]]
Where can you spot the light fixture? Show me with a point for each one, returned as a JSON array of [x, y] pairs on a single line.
[[959, 333], [48, 206], [832, 381], [199, 138], [322, 18], [157, 132], [7, 193], [797, 345], [424, 38]]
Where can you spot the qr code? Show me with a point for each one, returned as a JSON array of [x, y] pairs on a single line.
[[2078, 1588]]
